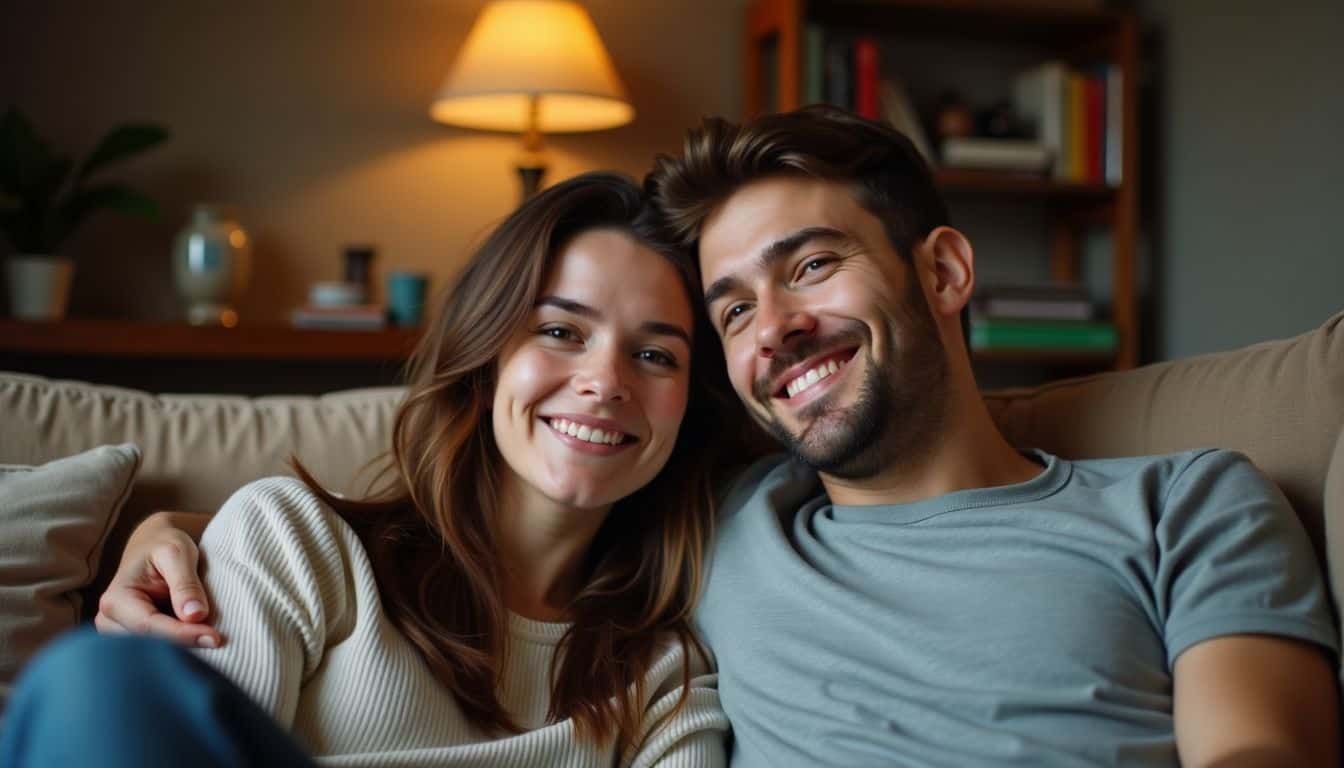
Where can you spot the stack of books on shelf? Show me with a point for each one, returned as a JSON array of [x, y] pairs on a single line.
[[1077, 115], [350, 317], [1039, 318], [846, 71]]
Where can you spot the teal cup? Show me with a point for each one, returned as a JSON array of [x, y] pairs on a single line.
[[406, 297]]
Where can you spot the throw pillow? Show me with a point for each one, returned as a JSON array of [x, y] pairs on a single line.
[[53, 522]]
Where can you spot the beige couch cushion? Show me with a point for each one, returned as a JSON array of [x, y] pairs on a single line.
[[197, 449], [55, 519], [1281, 403]]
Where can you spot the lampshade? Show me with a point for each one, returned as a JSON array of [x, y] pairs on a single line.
[[521, 49]]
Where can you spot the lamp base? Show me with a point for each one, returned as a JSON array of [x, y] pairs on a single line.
[[530, 175]]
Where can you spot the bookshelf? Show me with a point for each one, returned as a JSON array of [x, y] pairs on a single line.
[[248, 360], [1076, 33], [145, 341]]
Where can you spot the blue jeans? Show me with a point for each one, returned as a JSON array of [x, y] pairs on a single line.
[[91, 699]]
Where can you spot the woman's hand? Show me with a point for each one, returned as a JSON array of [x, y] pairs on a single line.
[[159, 566]]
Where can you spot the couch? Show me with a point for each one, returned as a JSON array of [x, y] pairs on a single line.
[[1280, 402]]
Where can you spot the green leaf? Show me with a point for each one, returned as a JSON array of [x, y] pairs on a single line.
[[25, 161], [122, 142], [19, 230], [113, 197]]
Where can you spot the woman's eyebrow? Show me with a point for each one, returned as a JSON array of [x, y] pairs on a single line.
[[666, 329], [569, 305], [656, 327]]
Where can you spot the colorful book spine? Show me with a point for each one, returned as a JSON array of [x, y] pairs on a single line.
[[1115, 126], [1095, 97], [1077, 131], [1039, 97], [1042, 334], [866, 77], [839, 73], [814, 64]]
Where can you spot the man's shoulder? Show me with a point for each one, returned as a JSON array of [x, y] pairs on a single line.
[[1169, 468], [772, 472]]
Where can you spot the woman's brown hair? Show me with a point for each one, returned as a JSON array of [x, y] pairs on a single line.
[[426, 519]]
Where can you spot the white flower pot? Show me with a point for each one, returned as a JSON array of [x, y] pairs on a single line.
[[39, 286]]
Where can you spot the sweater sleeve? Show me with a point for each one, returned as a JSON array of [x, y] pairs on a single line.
[[693, 737], [275, 568]]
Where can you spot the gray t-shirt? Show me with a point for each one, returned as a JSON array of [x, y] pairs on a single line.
[[1033, 624]]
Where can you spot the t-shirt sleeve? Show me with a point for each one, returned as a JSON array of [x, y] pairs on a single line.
[[276, 578], [1233, 558]]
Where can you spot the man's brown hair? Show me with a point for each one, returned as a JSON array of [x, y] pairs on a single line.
[[889, 177]]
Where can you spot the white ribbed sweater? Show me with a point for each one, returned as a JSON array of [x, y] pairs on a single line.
[[293, 592]]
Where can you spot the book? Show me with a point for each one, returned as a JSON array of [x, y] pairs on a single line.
[[1076, 141], [1044, 301], [1115, 126], [996, 154], [1043, 335], [839, 73], [898, 110], [354, 317], [814, 42], [1094, 95], [1039, 100], [1032, 309], [866, 76]]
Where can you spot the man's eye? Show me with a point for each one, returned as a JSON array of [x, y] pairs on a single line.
[[814, 264], [734, 312]]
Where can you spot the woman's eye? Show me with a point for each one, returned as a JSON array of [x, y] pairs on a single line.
[[560, 333], [657, 357]]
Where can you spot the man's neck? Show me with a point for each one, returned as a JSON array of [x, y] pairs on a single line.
[[969, 453]]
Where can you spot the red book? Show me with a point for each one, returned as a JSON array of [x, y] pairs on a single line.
[[1094, 94], [866, 78]]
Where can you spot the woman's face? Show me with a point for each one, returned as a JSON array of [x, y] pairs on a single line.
[[591, 390]]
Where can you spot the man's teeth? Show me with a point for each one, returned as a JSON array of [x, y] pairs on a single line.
[[812, 377], [586, 433]]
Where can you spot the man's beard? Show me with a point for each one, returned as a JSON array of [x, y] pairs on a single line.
[[899, 410]]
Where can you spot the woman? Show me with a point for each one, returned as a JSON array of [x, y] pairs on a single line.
[[517, 587]]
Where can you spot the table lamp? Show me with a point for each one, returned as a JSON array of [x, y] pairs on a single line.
[[533, 67]]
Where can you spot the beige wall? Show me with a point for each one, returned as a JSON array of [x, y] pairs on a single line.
[[313, 118]]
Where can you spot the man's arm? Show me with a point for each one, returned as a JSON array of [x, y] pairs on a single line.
[[159, 565], [1256, 700]]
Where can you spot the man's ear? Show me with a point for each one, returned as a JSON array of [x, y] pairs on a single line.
[[950, 270]]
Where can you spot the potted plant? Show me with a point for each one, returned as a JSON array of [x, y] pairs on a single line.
[[42, 203]]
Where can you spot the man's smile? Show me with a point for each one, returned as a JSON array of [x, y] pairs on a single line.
[[810, 379]]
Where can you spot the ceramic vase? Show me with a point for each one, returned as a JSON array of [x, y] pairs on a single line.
[[39, 286], [212, 258]]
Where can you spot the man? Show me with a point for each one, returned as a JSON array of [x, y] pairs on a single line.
[[908, 588]]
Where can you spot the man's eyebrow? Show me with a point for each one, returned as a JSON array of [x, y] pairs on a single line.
[[772, 254], [583, 310]]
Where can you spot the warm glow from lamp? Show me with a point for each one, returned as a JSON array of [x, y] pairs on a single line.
[[533, 66]]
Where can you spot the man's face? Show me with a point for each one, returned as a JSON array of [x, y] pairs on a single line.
[[828, 336]]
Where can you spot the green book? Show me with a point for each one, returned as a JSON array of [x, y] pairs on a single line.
[[1026, 334], [813, 78]]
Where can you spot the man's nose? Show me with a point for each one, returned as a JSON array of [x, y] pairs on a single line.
[[779, 323]]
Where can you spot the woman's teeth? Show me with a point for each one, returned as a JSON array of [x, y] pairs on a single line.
[[812, 377], [586, 433]]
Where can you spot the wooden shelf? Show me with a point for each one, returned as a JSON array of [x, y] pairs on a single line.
[[1037, 22], [129, 339], [955, 179]]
